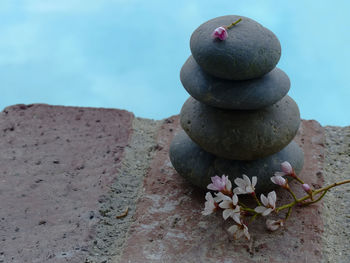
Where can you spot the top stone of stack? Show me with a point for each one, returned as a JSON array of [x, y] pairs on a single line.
[[250, 50]]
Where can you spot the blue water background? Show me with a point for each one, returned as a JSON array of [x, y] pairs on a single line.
[[127, 54]]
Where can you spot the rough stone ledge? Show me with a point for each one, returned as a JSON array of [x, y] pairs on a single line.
[[67, 175]]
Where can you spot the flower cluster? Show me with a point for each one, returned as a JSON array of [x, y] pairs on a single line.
[[226, 199]]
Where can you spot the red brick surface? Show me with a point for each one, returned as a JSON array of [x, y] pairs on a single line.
[[169, 226], [55, 162]]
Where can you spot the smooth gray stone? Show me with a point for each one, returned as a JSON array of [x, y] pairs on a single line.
[[250, 50], [241, 134], [198, 166], [234, 94]]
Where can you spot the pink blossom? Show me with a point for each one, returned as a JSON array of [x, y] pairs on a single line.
[[220, 184], [279, 180], [220, 33], [273, 225], [210, 205], [269, 203], [239, 230], [245, 186], [221, 197], [231, 208]]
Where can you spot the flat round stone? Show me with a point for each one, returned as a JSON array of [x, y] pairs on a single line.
[[198, 166], [249, 51], [234, 94], [241, 134]]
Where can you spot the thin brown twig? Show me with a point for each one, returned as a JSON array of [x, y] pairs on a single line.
[[124, 214]]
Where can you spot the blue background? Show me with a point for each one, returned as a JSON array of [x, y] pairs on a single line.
[[127, 54]]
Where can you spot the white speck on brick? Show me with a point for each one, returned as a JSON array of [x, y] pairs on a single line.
[[179, 235]]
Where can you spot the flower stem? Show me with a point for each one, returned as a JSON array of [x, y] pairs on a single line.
[[288, 213], [330, 186], [323, 189], [256, 198], [314, 201], [298, 179], [242, 205], [234, 23], [248, 210], [291, 192], [253, 218]]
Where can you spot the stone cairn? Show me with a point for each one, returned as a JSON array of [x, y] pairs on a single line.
[[239, 119]]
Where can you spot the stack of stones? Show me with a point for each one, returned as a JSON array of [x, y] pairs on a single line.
[[239, 119]]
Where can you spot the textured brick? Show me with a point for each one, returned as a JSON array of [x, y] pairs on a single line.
[[55, 164], [169, 226]]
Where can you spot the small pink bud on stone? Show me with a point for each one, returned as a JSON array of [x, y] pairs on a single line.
[[220, 33]]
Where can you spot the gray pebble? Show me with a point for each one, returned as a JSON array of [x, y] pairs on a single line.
[[198, 166], [230, 94], [250, 50], [241, 134]]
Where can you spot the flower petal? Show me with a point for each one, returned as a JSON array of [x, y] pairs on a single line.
[[246, 179], [236, 218], [264, 200], [209, 197], [238, 191], [209, 208], [240, 182], [206, 212], [212, 187], [235, 199], [279, 180], [306, 188], [226, 213], [249, 189], [272, 198], [286, 167], [222, 197], [279, 174], [215, 178], [273, 179], [254, 181], [239, 233], [228, 185], [246, 233], [260, 209], [224, 178], [232, 229], [225, 204], [267, 211]]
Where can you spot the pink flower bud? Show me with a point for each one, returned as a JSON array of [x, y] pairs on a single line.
[[286, 168], [220, 33], [306, 188], [279, 180]]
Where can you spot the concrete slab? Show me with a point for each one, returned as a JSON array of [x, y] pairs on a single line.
[[55, 164]]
